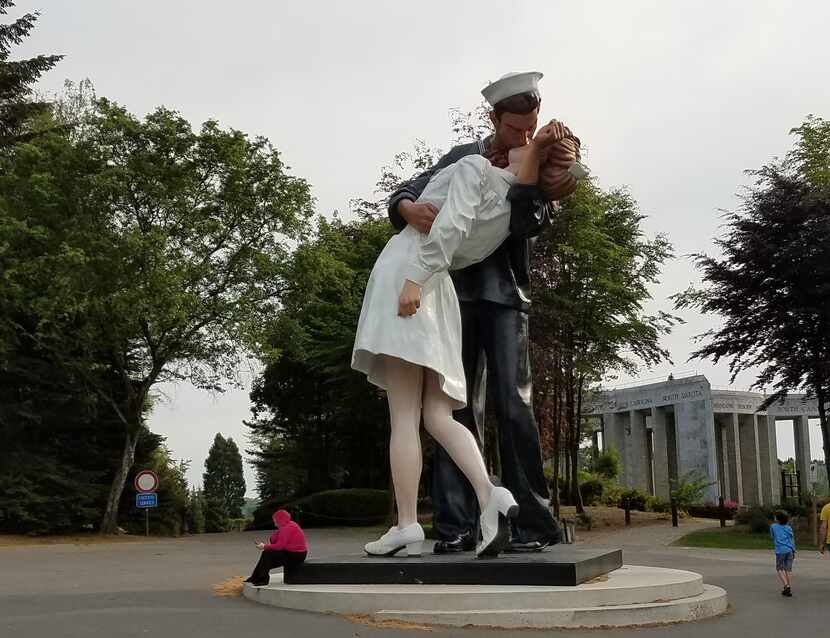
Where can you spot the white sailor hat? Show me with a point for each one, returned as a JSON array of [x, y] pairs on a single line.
[[510, 85]]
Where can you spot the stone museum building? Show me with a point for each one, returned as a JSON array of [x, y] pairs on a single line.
[[676, 427]]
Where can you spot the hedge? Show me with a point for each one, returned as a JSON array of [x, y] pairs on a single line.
[[354, 507]]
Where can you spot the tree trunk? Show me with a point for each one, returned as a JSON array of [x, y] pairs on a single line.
[[577, 494], [571, 443], [821, 396], [109, 524], [557, 437], [566, 460], [574, 460]]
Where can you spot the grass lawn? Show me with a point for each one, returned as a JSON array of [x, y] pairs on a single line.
[[731, 538]]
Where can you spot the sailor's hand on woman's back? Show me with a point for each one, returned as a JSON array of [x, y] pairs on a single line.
[[419, 215]]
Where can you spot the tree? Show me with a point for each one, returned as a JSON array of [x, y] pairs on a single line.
[[223, 484], [772, 284], [59, 446], [59, 441], [608, 463], [591, 271], [160, 249], [168, 519], [466, 126], [18, 77], [317, 423], [48, 483], [590, 275], [195, 521]]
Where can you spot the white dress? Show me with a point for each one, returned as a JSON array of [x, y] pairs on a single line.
[[473, 221]]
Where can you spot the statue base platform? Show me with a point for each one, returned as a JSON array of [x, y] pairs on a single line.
[[628, 596], [563, 565]]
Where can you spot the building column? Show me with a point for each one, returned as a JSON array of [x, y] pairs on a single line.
[[594, 445], [662, 489], [775, 470], [753, 424], [735, 469], [767, 494], [721, 436], [750, 465], [696, 450], [613, 436], [671, 442], [636, 451], [801, 436]]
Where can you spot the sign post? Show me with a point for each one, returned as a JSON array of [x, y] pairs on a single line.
[[146, 483]]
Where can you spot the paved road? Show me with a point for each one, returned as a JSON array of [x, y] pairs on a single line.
[[164, 588]]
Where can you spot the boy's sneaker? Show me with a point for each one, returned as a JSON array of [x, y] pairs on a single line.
[[787, 592]]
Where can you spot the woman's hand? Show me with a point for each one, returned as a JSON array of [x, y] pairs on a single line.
[[261, 545], [410, 299]]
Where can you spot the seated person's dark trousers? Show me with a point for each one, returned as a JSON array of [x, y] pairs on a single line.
[[271, 559]]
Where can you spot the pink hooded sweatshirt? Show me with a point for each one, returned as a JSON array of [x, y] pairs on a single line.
[[289, 537]]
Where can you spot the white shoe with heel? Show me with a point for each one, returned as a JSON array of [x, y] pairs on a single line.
[[495, 522], [406, 541]]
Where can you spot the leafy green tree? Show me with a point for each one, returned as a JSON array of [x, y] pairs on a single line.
[[591, 273], [466, 126], [776, 262], [196, 512], [158, 248], [215, 519], [168, 519], [223, 484], [590, 278], [18, 77], [822, 481], [608, 463], [59, 443], [689, 489], [317, 423]]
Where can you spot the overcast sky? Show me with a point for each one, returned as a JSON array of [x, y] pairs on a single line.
[[674, 100]]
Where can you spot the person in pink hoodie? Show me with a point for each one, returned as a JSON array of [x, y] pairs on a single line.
[[287, 546]]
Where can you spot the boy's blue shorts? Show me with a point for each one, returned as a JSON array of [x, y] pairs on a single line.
[[784, 562]]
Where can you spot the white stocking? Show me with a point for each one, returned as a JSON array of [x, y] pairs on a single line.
[[404, 388], [457, 440]]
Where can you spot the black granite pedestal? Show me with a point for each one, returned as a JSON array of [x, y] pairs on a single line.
[[559, 565]]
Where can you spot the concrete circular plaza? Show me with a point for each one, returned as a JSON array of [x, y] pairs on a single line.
[[165, 588], [630, 596]]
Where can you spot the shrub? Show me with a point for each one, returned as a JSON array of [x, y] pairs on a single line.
[[793, 508], [657, 504], [238, 524], [712, 510], [759, 524], [744, 515], [612, 495], [757, 518], [608, 463], [688, 490], [591, 491], [636, 498], [347, 507]]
